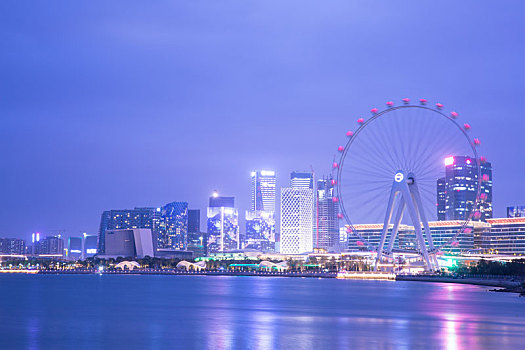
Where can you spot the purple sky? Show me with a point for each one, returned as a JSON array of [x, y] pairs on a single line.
[[132, 103]]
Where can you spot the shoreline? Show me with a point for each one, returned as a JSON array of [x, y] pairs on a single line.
[[502, 284]]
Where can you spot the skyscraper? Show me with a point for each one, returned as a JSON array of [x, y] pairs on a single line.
[[302, 179], [126, 219], [326, 226], [263, 191], [456, 192], [260, 219], [297, 214], [197, 240], [194, 220], [173, 226], [223, 224]]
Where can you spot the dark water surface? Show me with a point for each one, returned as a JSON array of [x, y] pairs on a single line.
[[205, 312]]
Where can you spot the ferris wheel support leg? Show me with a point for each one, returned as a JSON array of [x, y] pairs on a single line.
[[384, 232], [420, 210], [397, 222], [417, 224]]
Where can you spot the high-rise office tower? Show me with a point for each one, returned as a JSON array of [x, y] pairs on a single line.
[[223, 224], [260, 219], [456, 192], [127, 219], [516, 212], [173, 226], [297, 214], [326, 226], [302, 179], [263, 191], [194, 220], [197, 240]]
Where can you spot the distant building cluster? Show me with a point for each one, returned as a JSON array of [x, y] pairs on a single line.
[[308, 221]]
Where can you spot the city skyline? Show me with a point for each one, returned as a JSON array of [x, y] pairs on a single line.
[[84, 132]]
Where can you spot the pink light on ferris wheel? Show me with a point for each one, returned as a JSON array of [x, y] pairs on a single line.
[[406, 100], [477, 215], [390, 104], [477, 142], [359, 243], [348, 229], [467, 230], [340, 148], [333, 181], [468, 161], [335, 165], [422, 101], [335, 199], [361, 120], [454, 115], [485, 178], [483, 196], [439, 105], [455, 244], [340, 216], [449, 161], [467, 126], [349, 133], [374, 110], [482, 159]]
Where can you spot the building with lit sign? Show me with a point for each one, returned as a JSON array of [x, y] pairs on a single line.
[[456, 192], [74, 248], [90, 245], [222, 224], [302, 179], [263, 191], [260, 230]]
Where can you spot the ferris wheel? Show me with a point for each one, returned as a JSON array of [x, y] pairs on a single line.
[[388, 174]]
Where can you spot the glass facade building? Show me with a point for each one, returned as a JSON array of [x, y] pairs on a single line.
[[326, 230], [516, 212], [260, 230], [302, 179], [263, 191], [127, 219], [172, 231], [456, 192], [222, 225]]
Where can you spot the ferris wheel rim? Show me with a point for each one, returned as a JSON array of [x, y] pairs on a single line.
[[338, 167]]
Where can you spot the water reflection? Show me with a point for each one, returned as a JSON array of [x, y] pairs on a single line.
[[254, 313]]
